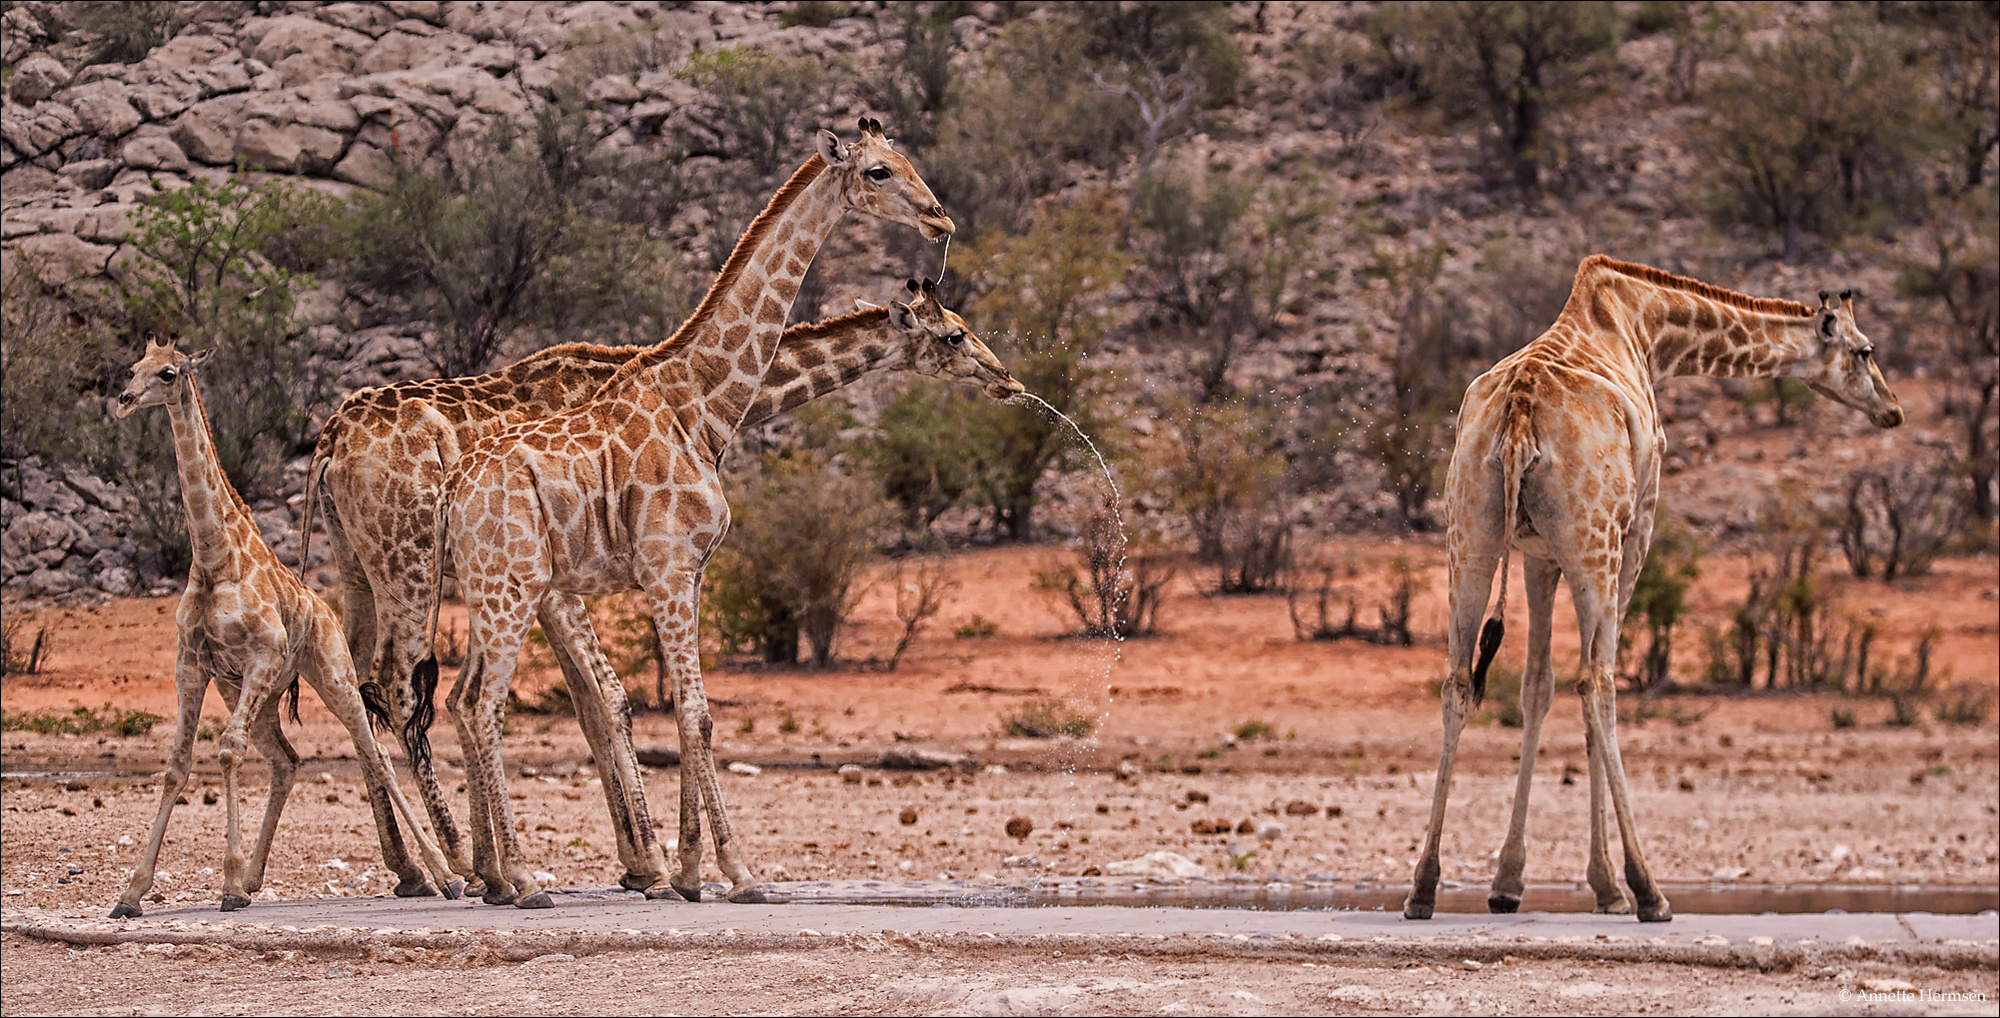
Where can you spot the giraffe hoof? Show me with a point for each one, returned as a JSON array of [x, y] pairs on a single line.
[[637, 882], [475, 889], [1618, 907], [750, 895], [454, 890], [691, 892], [492, 897], [124, 911], [539, 899], [232, 902], [661, 892], [416, 887], [1503, 904], [1414, 909], [1660, 912]]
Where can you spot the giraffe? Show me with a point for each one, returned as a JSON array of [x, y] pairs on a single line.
[[1558, 454], [624, 492], [360, 455], [247, 623]]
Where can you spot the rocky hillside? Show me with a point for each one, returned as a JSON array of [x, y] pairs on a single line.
[[1397, 212]]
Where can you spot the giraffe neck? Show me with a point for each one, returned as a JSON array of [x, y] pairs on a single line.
[[814, 360], [1686, 327], [209, 500], [713, 367]]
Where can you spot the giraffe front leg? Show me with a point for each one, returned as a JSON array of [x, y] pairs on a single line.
[[1537, 693], [190, 686], [605, 717]]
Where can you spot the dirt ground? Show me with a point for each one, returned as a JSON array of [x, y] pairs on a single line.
[[1757, 789]]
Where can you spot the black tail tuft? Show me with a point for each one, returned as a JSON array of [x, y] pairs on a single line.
[[1489, 645], [376, 705], [423, 711], [294, 691]]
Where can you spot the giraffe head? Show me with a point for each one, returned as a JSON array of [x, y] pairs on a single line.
[[876, 179], [1842, 365], [156, 378], [938, 343]]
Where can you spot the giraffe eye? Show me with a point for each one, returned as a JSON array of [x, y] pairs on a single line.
[[880, 173], [1826, 326], [166, 374], [956, 339]]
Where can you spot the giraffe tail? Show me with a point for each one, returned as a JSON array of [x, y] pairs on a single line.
[[322, 458], [1517, 455]]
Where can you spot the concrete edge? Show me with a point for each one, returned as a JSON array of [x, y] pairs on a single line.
[[386, 945]]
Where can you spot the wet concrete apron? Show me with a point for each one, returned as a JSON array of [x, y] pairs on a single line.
[[819, 914]]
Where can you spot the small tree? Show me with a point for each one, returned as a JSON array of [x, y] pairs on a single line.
[[1428, 357], [801, 531], [921, 451], [1224, 476], [1819, 134], [1517, 62], [1042, 300], [751, 104]]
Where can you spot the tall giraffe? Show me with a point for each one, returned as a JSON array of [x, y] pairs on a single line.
[[1558, 454], [247, 623], [374, 490], [625, 492]]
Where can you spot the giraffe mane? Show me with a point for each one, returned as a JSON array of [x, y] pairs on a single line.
[[852, 319], [731, 271], [1661, 277], [201, 411]]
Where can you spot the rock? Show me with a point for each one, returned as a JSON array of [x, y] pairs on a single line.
[[154, 153], [613, 88], [365, 165], [908, 817], [1019, 828], [851, 773], [59, 259], [1300, 808], [745, 769], [105, 108], [1270, 830], [300, 49], [37, 131], [902, 758], [658, 756], [430, 11], [288, 148], [37, 78], [91, 174], [206, 132], [1156, 864]]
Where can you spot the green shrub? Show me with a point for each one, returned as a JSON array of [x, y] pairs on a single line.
[[81, 720], [1046, 719], [800, 534]]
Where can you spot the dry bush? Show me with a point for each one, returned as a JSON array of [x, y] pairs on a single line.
[[1114, 594], [1899, 518], [1318, 586]]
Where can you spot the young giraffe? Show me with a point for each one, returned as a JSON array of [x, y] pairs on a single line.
[[247, 623], [625, 492], [922, 337], [1558, 454]]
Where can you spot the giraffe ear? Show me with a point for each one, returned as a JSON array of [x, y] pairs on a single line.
[[863, 305], [199, 358], [904, 318], [827, 144]]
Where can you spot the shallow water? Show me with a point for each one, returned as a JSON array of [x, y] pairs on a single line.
[[1689, 899]]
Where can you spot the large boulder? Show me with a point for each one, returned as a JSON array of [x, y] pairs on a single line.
[[301, 49], [104, 108], [37, 78], [154, 152], [59, 259], [36, 131], [288, 148], [207, 131]]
